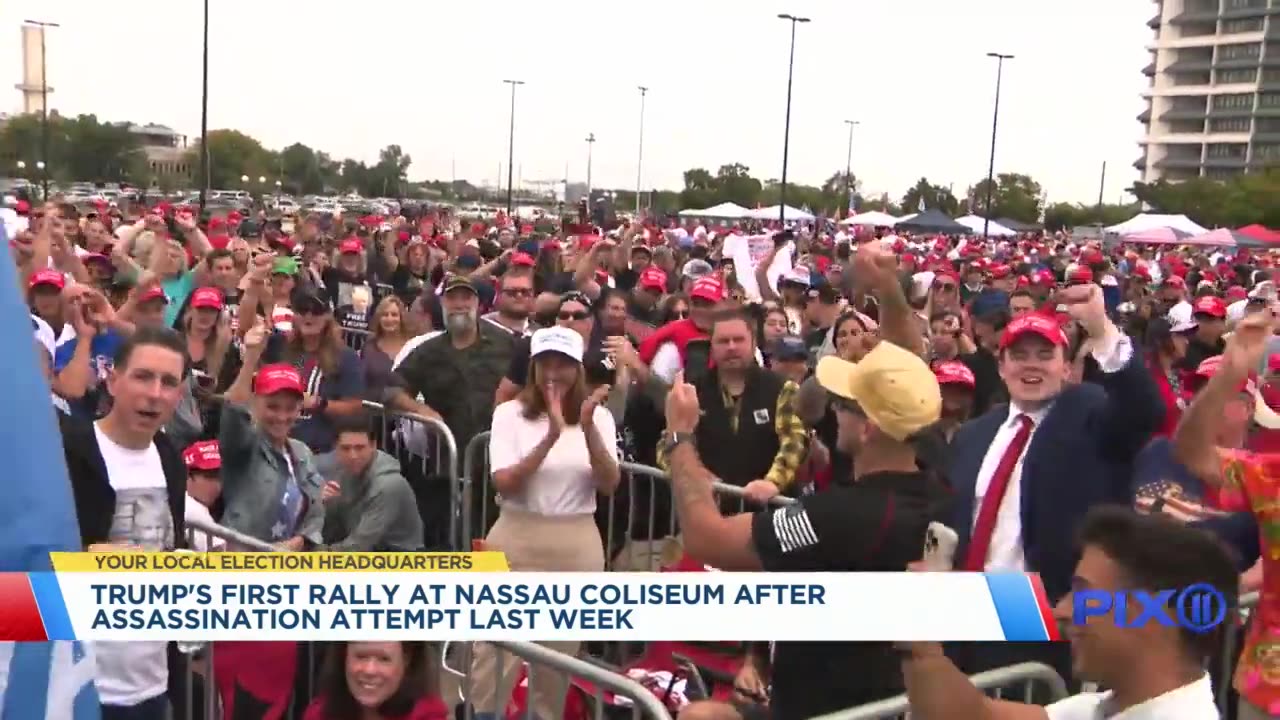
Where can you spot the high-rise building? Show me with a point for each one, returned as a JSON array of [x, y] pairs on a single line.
[[1213, 107]]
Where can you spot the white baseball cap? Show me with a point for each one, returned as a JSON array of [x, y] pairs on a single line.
[[557, 339]]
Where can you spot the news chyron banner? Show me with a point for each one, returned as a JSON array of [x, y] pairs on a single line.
[[197, 597]]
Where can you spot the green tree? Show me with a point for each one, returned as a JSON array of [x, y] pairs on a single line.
[[699, 189], [1241, 200], [80, 148], [734, 184], [1063, 215], [930, 197], [389, 175], [1014, 195], [233, 154]]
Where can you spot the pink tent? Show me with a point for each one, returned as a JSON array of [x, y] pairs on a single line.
[[1258, 232], [1221, 237]]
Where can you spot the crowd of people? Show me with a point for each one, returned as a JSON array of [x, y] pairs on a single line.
[[1097, 414]]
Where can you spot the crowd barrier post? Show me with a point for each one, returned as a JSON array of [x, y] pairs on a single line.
[[991, 682], [1231, 647], [399, 439], [355, 339], [475, 467]]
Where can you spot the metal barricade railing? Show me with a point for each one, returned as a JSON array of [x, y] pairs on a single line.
[[533, 658], [355, 339], [1231, 639], [648, 517], [993, 682], [428, 455]]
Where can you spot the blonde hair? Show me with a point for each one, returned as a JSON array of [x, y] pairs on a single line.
[[376, 320]]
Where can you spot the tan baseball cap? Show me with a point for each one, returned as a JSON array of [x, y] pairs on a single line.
[[895, 388]]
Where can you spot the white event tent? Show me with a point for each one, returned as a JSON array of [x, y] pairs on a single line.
[[871, 217], [976, 223], [773, 212], [1153, 221], [723, 210]]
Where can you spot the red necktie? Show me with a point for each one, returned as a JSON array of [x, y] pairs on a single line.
[[980, 541]]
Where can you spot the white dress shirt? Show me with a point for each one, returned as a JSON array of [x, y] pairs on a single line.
[[1193, 701], [1005, 553]]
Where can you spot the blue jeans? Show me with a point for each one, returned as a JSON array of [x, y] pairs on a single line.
[[156, 708]]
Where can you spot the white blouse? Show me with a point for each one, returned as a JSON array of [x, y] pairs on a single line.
[[563, 484]]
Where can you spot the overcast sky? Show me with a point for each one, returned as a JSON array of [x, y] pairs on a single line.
[[350, 78]]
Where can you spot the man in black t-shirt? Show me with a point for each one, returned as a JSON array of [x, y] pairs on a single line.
[[875, 524]]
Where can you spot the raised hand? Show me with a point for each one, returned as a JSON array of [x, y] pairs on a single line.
[[587, 417], [554, 397], [682, 409]]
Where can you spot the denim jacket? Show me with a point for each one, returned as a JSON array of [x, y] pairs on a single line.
[[254, 476]]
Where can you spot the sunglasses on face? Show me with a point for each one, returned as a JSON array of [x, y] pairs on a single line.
[[579, 315]]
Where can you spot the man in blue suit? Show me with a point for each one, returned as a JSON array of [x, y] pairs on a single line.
[[1024, 474]]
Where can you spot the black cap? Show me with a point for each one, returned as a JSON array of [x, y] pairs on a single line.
[[249, 228], [825, 294], [790, 347], [308, 298]]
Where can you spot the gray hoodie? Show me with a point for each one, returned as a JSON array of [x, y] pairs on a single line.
[[377, 510]]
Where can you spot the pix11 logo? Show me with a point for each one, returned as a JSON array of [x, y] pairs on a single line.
[[1198, 608]]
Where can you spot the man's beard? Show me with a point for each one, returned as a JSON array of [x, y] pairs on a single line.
[[460, 321]]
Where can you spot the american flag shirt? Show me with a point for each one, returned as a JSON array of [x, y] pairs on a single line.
[[1162, 484]]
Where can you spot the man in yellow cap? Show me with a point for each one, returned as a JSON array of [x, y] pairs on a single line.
[[877, 523]]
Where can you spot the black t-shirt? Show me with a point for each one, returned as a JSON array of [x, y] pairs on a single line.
[[1198, 351], [876, 524], [409, 285], [340, 284]]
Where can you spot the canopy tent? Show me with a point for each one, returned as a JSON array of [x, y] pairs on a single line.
[[773, 212], [905, 218], [872, 217], [1259, 232], [1018, 226], [723, 210], [1158, 236], [994, 229], [933, 221], [1223, 237], [1151, 221]]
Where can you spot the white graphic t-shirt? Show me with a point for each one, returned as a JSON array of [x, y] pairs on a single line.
[[132, 672]]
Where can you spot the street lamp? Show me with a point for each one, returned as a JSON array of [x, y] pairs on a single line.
[[640, 159], [204, 112], [511, 144], [44, 101], [591, 140], [786, 129], [244, 179], [991, 164], [848, 168], [262, 179]]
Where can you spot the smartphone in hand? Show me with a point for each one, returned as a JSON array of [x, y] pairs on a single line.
[[940, 544]]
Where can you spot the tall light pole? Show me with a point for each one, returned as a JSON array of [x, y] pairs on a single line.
[[204, 112], [848, 168], [44, 103], [786, 128], [640, 158], [995, 118], [511, 144], [591, 140]]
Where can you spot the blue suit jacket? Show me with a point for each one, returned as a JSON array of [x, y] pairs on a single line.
[[1081, 455]]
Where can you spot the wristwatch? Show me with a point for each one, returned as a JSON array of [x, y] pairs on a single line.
[[670, 440]]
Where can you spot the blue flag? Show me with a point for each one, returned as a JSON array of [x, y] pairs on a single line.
[[38, 681]]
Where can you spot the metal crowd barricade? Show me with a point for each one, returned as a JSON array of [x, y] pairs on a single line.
[[203, 536], [642, 534], [355, 339], [643, 703], [992, 682], [1231, 638], [428, 455]]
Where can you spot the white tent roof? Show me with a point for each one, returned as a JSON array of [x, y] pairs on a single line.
[[774, 211], [1152, 221], [723, 210], [975, 223], [905, 218], [872, 217]]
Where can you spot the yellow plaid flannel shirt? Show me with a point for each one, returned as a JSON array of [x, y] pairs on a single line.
[[793, 436]]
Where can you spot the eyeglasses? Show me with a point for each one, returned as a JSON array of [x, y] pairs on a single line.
[[517, 292], [579, 315]]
